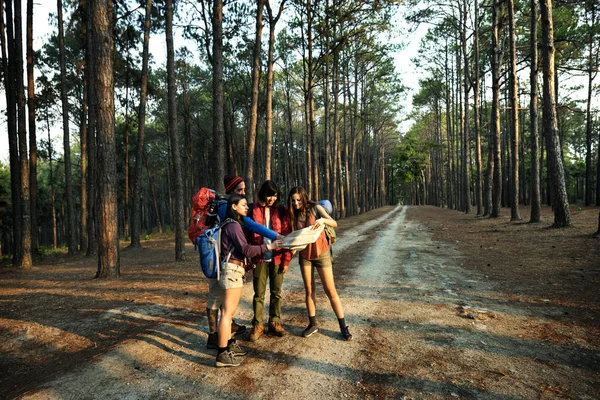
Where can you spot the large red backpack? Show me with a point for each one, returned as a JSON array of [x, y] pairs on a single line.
[[205, 208]]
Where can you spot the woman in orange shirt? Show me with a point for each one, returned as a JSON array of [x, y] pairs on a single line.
[[302, 213]]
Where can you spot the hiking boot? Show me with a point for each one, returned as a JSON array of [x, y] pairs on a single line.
[[236, 349], [213, 341], [310, 329], [256, 332], [276, 329], [346, 333], [236, 329], [227, 359]]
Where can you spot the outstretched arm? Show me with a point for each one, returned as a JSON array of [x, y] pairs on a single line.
[[259, 229]]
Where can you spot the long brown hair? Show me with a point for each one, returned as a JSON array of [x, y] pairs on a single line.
[[307, 204]]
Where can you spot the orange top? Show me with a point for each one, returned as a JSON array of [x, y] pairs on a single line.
[[313, 250]]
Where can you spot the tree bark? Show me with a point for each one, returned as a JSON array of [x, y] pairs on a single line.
[[514, 114], [136, 211], [495, 115], [560, 203], [269, 132], [536, 199], [466, 133], [71, 230], [172, 126], [32, 130], [26, 261], [592, 72], [8, 57], [254, 104], [92, 176], [218, 127], [479, 183], [109, 264], [83, 239]]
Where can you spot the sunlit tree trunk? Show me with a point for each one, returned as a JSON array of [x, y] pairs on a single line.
[[32, 130], [25, 221], [254, 105], [8, 57], [466, 130], [514, 115], [536, 199], [136, 210], [269, 133], [479, 182], [560, 203], [71, 230], [109, 264], [495, 115]]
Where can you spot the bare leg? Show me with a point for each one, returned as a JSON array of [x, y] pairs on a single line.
[[308, 277], [231, 299], [326, 275]]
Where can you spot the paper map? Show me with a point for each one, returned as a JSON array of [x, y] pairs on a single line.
[[301, 238]]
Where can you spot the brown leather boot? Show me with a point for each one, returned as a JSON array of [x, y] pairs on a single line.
[[256, 332], [276, 329]]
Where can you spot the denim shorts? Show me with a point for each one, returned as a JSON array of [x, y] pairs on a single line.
[[232, 276]]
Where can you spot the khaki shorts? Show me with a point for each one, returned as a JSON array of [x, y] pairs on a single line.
[[232, 276], [322, 261]]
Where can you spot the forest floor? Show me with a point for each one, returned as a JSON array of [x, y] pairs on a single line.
[[441, 305]]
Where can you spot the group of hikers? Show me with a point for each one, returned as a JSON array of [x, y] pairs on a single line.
[[255, 232]]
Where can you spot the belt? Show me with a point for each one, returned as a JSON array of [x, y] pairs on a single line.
[[236, 262]]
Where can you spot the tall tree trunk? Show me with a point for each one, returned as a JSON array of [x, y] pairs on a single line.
[[495, 114], [83, 136], [466, 133], [71, 230], [26, 261], [514, 113], [127, 210], [592, 70], [254, 104], [314, 190], [154, 196], [136, 211], [560, 203], [536, 199], [92, 178], [479, 183], [51, 179], [217, 106], [172, 119], [32, 130], [269, 132], [8, 57], [109, 264]]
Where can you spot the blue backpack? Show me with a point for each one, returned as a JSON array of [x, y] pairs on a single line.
[[209, 247]]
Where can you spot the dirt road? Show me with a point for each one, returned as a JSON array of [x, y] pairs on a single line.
[[424, 328]]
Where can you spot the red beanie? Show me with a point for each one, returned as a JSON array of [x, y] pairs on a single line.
[[231, 181]]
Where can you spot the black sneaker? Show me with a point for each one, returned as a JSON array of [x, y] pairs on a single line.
[[310, 329], [346, 334], [227, 359], [236, 349], [213, 341], [236, 329]]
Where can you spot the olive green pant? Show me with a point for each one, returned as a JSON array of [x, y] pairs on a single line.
[[263, 271]]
